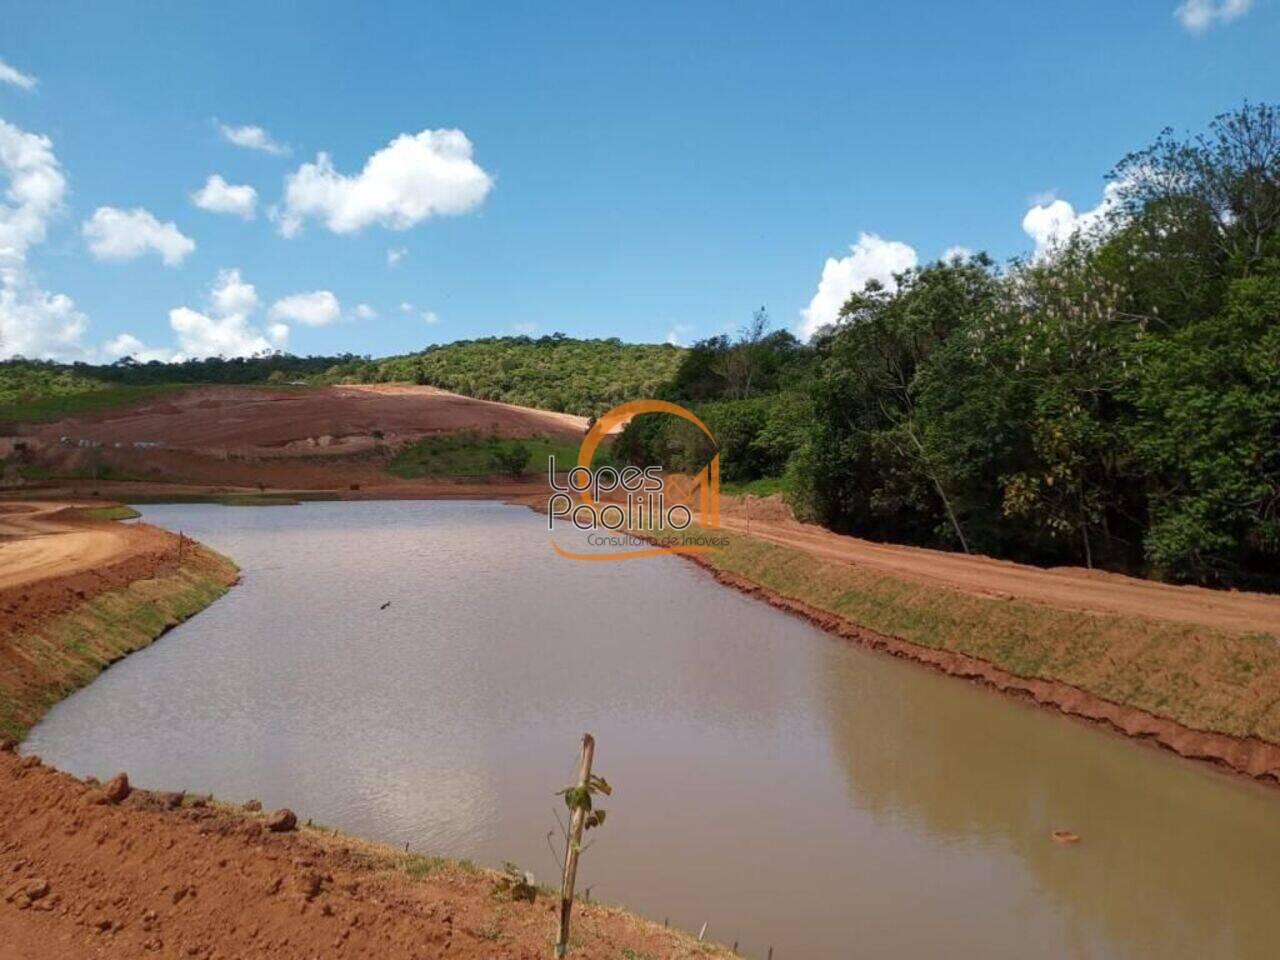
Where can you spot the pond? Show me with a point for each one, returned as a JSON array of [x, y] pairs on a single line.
[[421, 673]]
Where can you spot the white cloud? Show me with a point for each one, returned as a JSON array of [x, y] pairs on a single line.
[[218, 196], [414, 177], [431, 318], [1052, 222], [114, 234], [231, 295], [958, 252], [37, 323], [252, 138], [406, 307], [318, 308], [1199, 15], [365, 312], [679, 333], [395, 255], [127, 345], [871, 258], [33, 322], [525, 329], [16, 77], [225, 329]]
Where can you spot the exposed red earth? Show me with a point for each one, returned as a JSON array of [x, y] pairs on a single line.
[[297, 438], [123, 873], [273, 421], [1068, 588]]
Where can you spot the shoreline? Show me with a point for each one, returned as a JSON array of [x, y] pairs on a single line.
[[1248, 756], [317, 890], [102, 591]]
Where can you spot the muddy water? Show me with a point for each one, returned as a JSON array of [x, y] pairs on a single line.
[[783, 787]]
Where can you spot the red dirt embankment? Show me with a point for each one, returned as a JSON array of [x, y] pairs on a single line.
[[153, 876], [52, 558], [1064, 588]]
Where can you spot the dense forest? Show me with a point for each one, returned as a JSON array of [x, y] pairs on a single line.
[[1114, 402]]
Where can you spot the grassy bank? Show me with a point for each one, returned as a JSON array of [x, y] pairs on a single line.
[[44, 662], [117, 511], [469, 454], [1204, 679]]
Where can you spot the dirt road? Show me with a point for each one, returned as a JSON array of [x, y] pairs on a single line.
[[1069, 588], [39, 541]]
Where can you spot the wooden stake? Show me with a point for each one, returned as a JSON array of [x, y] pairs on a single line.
[[573, 847]]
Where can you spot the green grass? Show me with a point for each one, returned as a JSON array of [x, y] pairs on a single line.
[[68, 650], [116, 511], [89, 397], [764, 487], [474, 455]]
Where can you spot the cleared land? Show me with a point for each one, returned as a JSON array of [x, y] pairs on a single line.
[[303, 421]]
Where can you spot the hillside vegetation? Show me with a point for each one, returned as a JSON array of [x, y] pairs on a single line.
[[559, 373], [1114, 401], [556, 372]]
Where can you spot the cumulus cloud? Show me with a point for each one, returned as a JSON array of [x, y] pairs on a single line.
[[871, 258], [958, 252], [16, 77], [224, 330], [218, 196], [114, 234], [365, 312], [318, 308], [33, 322], [1052, 222], [252, 137], [414, 177], [1199, 15], [431, 318]]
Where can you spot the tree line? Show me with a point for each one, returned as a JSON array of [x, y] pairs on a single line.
[[1112, 402]]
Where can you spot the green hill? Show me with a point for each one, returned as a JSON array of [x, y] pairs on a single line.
[[552, 373]]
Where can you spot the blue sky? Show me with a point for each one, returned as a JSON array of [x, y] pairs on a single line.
[[646, 172]]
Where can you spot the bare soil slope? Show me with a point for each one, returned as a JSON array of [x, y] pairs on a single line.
[[149, 877], [303, 421], [1066, 588]]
